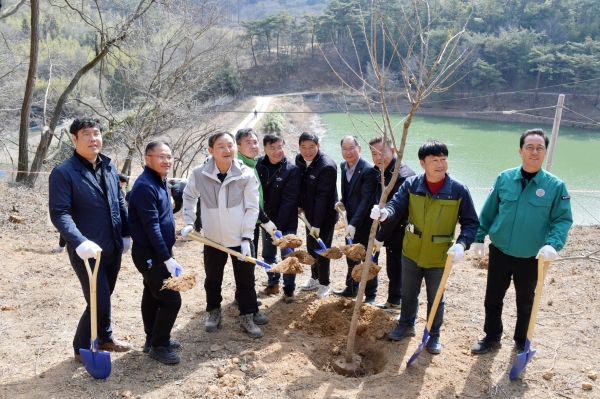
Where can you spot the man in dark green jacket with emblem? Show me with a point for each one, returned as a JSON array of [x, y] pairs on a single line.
[[527, 213], [434, 202]]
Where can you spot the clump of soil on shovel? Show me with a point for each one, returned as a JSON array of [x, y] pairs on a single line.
[[357, 271], [303, 257], [181, 283], [290, 265], [332, 253], [288, 241], [354, 251]]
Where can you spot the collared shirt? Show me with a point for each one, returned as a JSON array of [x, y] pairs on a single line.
[[350, 171], [97, 172]]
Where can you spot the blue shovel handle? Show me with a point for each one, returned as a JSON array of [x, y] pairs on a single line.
[[349, 240], [177, 272], [258, 262], [322, 244], [285, 251]]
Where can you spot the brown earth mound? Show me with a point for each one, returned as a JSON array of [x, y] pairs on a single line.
[[290, 265], [354, 251], [288, 241], [181, 283], [303, 257], [332, 253], [357, 271]]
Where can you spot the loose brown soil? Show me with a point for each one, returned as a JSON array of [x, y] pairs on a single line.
[[288, 241], [289, 265], [181, 283], [303, 257], [354, 251], [332, 253], [374, 269]]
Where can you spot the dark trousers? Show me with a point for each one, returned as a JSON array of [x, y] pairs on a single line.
[[394, 271], [320, 270], [269, 254], [61, 241], [110, 264], [524, 272], [371, 288], [159, 308], [256, 237], [243, 272]]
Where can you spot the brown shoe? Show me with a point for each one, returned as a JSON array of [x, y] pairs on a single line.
[[271, 290], [78, 358], [289, 298], [115, 346]]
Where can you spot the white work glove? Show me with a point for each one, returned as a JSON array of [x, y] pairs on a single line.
[[549, 253], [338, 204], [173, 266], [87, 249], [479, 249], [314, 231], [459, 252], [379, 213], [246, 249], [350, 231], [126, 244], [270, 227], [377, 245], [186, 230]]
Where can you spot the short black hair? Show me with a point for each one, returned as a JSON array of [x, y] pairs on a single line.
[[534, 132], [156, 143], [379, 139], [433, 147], [82, 123], [243, 133], [308, 136], [356, 142], [271, 138], [216, 135], [123, 178]]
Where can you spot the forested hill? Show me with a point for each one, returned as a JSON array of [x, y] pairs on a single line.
[[148, 67]]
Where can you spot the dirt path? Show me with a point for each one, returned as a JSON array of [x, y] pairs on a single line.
[[262, 103]]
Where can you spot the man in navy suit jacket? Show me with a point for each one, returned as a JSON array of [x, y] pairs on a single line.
[[359, 182]]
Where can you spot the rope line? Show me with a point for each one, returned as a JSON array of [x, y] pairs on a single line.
[[583, 116]]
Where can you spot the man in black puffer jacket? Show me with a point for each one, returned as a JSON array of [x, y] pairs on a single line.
[[280, 180]]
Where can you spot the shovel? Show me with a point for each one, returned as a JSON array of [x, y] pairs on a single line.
[[524, 358], [97, 364], [198, 237], [302, 217], [434, 307], [277, 234], [341, 209]]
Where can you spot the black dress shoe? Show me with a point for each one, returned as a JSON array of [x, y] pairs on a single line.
[[370, 300], [174, 345], [346, 293]]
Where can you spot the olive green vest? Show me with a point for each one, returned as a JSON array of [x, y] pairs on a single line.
[[433, 223]]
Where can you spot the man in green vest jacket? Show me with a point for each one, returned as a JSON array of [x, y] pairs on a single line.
[[434, 202], [527, 213]]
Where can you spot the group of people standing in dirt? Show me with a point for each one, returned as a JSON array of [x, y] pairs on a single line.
[[237, 195]]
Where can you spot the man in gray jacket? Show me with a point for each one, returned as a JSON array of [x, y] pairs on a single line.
[[228, 193]]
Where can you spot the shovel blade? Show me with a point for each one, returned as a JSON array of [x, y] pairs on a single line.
[[521, 361], [97, 364], [419, 348], [322, 245]]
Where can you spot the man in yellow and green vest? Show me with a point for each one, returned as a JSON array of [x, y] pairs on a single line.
[[434, 202]]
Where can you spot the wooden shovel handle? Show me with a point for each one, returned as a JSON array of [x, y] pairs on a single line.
[[342, 213], [198, 237], [440, 290], [93, 311], [543, 267], [302, 217]]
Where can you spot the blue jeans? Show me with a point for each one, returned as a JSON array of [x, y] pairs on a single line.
[[412, 276], [269, 254]]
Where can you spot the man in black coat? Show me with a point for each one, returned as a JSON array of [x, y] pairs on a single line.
[[87, 208], [359, 181], [318, 196], [280, 180], [390, 235]]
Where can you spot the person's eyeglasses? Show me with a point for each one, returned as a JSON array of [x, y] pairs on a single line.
[[538, 149], [162, 158], [351, 149], [88, 135]]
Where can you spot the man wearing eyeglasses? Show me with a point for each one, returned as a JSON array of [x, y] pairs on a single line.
[[359, 182], [526, 214], [87, 208], [153, 233]]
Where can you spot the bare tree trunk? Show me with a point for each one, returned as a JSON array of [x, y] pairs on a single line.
[[537, 86], [23, 162], [252, 47]]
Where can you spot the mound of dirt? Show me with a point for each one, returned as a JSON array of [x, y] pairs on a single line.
[[303, 257], [354, 251], [181, 283], [288, 241], [357, 271], [332, 253], [290, 265]]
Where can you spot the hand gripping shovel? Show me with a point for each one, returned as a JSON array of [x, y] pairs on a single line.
[[436, 302], [198, 237], [524, 358], [302, 217], [97, 364], [284, 252]]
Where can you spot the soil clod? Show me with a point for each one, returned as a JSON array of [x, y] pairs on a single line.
[[290, 265], [354, 251], [303, 257], [357, 271], [332, 253], [288, 241], [181, 283]]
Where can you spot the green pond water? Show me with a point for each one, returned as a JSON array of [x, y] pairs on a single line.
[[479, 150]]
